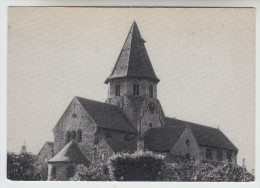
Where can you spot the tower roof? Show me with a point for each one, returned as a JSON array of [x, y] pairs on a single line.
[[133, 60]]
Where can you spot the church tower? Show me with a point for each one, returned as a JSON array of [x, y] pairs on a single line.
[[133, 84]]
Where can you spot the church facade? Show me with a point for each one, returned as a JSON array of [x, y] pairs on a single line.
[[130, 119]]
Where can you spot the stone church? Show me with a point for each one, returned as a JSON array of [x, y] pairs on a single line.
[[130, 119]]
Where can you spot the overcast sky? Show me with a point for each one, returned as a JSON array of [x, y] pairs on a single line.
[[205, 59]]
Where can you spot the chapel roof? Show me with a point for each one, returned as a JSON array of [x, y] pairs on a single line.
[[121, 146], [162, 139], [133, 60], [106, 115], [205, 136], [70, 153]]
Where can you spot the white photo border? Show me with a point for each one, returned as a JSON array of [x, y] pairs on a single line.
[[4, 4]]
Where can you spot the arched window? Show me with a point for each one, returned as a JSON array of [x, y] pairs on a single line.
[[136, 89], [73, 135], [151, 91], [187, 142], [108, 134], [150, 125], [117, 90], [229, 155], [70, 172], [79, 135], [67, 137], [74, 115], [53, 172], [220, 155], [187, 156], [208, 153]]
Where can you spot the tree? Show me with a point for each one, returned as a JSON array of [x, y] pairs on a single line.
[[24, 167]]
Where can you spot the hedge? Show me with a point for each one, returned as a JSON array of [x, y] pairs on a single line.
[[140, 166]]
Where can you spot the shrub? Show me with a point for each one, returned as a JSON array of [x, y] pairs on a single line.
[[41, 170], [24, 167], [223, 172], [140, 166], [206, 172], [92, 173]]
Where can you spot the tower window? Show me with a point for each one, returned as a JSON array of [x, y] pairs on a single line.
[[208, 153], [150, 125], [151, 91], [117, 90], [136, 89]]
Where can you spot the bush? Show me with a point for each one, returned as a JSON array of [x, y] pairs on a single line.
[[206, 172], [24, 167], [224, 172], [140, 166], [92, 173]]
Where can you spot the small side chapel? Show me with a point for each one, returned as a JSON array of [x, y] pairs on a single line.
[[130, 119]]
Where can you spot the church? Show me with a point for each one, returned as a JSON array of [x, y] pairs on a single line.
[[131, 119]]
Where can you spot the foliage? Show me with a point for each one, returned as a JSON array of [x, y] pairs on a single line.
[[41, 170], [140, 166], [24, 167], [224, 172], [147, 166], [207, 172], [92, 173]]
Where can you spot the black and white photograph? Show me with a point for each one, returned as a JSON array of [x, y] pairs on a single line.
[[150, 94]]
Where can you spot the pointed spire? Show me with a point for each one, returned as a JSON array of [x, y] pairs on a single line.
[[133, 60]]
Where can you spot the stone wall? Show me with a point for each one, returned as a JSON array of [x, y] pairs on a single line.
[[197, 151], [182, 148], [45, 153], [105, 150], [214, 154], [127, 84], [75, 118], [62, 172], [137, 110]]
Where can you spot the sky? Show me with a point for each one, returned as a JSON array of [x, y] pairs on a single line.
[[204, 57]]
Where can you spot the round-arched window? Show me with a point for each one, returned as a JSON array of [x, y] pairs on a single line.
[[67, 137], [73, 135], [79, 135]]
